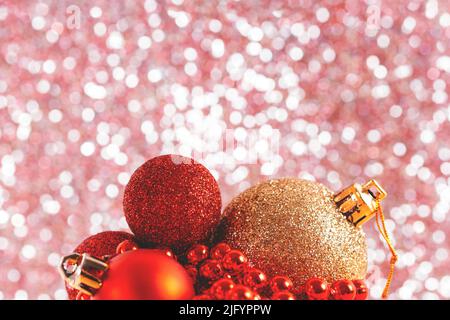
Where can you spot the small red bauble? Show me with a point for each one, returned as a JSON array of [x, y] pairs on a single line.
[[317, 289], [211, 270], [241, 292], [219, 250], [100, 245], [362, 292], [283, 295], [343, 290], [255, 279], [126, 245], [145, 275], [197, 254], [221, 288], [280, 283], [234, 260], [172, 201]]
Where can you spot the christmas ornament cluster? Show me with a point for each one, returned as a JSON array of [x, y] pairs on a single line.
[[284, 239]]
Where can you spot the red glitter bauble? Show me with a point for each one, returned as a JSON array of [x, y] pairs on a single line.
[[99, 245], [145, 274], [317, 289], [172, 201]]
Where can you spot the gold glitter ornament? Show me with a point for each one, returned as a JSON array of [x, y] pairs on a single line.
[[300, 229]]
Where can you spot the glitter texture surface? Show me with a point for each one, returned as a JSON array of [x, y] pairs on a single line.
[[172, 202], [292, 227], [352, 90]]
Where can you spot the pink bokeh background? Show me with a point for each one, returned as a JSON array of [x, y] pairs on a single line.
[[350, 90]]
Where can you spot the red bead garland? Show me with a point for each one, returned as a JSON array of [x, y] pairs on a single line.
[[221, 273]]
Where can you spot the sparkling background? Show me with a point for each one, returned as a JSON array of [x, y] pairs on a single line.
[[352, 97]]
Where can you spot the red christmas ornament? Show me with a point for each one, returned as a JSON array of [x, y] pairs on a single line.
[[221, 288], [241, 292], [234, 261], [255, 279], [343, 290], [211, 270], [172, 201], [219, 250], [99, 245], [283, 295], [362, 292], [197, 254], [145, 275], [281, 283], [317, 289]]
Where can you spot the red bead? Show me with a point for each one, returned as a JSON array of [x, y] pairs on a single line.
[[343, 290], [255, 279], [202, 297], [126, 245], [211, 270], [192, 271], [281, 283], [197, 254], [221, 288], [362, 292], [283, 295], [241, 292], [234, 260], [219, 250], [317, 289]]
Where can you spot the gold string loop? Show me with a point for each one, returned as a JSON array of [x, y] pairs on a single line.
[[394, 257]]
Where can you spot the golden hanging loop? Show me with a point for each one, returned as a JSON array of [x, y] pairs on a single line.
[[394, 257], [359, 203]]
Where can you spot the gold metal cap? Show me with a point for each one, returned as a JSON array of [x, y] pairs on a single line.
[[83, 272], [359, 203]]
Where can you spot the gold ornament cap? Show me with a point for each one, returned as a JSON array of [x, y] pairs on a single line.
[[359, 203], [83, 272]]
